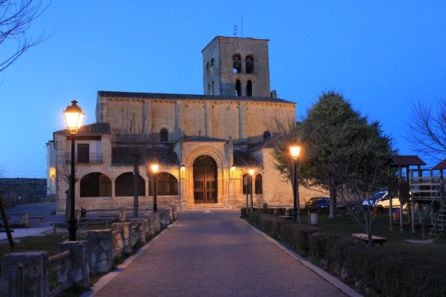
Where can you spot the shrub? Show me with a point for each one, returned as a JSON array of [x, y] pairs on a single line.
[[374, 271]]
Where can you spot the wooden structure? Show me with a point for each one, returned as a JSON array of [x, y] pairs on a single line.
[[428, 193], [404, 165]]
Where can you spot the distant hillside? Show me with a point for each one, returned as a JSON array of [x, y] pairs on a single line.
[[23, 190]]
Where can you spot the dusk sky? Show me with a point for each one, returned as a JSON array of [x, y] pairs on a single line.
[[383, 56]]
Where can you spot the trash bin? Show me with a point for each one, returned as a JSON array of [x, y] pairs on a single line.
[[314, 218]]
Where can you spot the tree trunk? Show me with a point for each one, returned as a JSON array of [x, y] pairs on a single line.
[[135, 188], [333, 194], [368, 224]]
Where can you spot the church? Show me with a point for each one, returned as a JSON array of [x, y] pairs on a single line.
[[212, 150]]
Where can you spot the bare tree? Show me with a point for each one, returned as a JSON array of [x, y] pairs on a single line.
[[136, 138], [16, 17], [428, 130]]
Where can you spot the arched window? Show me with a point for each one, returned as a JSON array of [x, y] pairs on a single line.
[[238, 88], [212, 62], [247, 187], [164, 135], [249, 88], [166, 184], [266, 135], [236, 63], [249, 64], [124, 185], [95, 184], [258, 184]]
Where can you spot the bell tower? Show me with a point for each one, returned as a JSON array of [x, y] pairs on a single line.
[[234, 66]]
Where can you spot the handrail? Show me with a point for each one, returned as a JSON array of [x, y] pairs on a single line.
[[58, 257]]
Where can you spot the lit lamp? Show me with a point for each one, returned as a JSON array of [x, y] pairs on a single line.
[[52, 173], [183, 171], [294, 153], [251, 173], [73, 119], [154, 168]]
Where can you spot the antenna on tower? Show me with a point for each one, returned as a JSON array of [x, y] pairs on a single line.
[[235, 31]]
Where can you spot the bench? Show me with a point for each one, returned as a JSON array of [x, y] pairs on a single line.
[[364, 237], [285, 217]]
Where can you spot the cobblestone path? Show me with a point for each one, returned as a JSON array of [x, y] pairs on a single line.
[[215, 254]]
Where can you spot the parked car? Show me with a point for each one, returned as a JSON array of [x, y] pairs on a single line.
[[318, 203], [381, 200]]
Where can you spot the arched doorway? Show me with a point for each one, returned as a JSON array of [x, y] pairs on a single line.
[[205, 180]]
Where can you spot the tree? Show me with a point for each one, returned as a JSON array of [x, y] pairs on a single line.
[[16, 17], [339, 148], [428, 130], [367, 171], [135, 136]]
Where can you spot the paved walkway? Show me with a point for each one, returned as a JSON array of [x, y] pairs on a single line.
[[215, 254]]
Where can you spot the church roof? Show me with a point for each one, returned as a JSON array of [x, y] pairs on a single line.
[[167, 96], [92, 129], [244, 159], [234, 38], [163, 154]]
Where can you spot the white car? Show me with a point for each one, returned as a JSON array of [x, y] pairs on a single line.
[[381, 200]]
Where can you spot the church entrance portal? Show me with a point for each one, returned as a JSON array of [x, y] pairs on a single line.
[[205, 180]]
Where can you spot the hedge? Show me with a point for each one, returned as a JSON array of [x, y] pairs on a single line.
[[374, 271]]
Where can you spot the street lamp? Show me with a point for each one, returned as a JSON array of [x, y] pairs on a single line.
[[154, 168], [251, 173], [73, 119], [295, 152]]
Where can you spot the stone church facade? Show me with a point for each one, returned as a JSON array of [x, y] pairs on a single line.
[[204, 144]]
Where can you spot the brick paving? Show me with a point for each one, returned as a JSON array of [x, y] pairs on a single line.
[[215, 254]]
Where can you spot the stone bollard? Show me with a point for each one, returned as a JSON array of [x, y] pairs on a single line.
[[24, 220], [164, 215], [100, 250], [24, 274], [154, 224], [79, 272], [122, 214], [139, 230], [124, 229]]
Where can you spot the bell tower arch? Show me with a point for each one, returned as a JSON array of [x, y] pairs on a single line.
[[234, 66]]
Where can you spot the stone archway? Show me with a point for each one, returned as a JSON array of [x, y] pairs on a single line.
[[205, 180]]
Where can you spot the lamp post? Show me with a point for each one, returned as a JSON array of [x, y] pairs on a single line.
[[294, 153], [73, 119], [245, 184], [154, 167], [251, 173]]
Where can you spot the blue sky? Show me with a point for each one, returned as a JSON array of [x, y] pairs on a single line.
[[383, 56]]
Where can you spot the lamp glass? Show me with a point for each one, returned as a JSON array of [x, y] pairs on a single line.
[[251, 171], [73, 117], [154, 167], [295, 151]]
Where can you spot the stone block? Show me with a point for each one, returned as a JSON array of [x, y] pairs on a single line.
[[79, 272], [123, 239], [24, 274], [100, 250]]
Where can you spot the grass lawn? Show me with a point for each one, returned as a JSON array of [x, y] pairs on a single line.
[[46, 243], [431, 253]]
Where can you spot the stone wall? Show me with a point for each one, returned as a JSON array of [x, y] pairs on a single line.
[[26, 273]]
